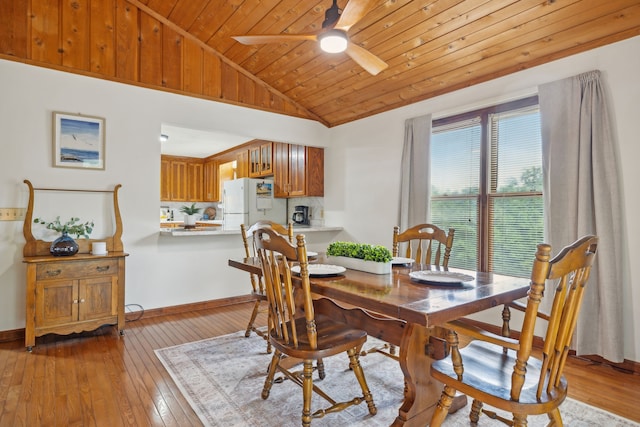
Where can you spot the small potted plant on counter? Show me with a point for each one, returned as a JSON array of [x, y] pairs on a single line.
[[360, 256], [190, 215], [65, 245]]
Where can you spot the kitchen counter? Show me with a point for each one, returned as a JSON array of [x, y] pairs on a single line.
[[200, 223], [218, 231]]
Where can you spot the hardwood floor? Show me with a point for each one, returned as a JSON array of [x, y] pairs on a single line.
[[100, 379]]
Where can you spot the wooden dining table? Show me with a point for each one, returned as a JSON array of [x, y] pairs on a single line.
[[408, 314]]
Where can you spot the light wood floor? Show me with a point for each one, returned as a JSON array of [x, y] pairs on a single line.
[[100, 379]]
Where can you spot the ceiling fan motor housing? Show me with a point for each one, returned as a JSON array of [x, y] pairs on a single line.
[[331, 15]]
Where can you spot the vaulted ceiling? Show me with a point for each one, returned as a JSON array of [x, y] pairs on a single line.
[[431, 46]]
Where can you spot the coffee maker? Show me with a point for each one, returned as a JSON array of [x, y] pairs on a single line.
[[301, 215]]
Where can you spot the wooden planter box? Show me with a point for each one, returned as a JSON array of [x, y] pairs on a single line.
[[360, 264]]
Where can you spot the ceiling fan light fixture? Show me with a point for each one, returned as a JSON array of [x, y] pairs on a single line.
[[333, 41]]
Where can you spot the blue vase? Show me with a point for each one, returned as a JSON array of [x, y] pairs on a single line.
[[64, 246]]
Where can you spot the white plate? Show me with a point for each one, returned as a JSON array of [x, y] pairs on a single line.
[[398, 260], [311, 254], [321, 270], [440, 277]]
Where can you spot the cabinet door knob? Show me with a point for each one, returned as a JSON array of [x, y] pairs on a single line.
[[53, 272], [101, 269], [82, 300], [75, 301]]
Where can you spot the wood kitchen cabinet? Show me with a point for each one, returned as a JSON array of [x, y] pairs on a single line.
[[178, 180], [242, 160], [181, 179], [261, 160], [165, 178], [77, 293], [211, 189], [298, 171], [195, 181]]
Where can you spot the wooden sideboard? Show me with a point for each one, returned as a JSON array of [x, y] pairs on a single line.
[[74, 294], [71, 294]]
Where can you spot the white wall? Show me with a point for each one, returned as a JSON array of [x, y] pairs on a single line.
[[161, 271], [361, 179], [362, 190]]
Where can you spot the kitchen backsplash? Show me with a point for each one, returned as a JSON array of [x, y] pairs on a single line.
[[316, 209], [167, 208]]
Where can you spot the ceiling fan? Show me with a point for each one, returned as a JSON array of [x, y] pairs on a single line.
[[333, 37]]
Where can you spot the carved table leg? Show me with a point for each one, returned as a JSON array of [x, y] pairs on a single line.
[[421, 391]]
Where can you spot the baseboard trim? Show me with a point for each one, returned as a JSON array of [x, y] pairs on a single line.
[[191, 307], [18, 334], [12, 335]]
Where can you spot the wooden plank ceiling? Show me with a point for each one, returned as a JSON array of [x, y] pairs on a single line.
[[431, 47]]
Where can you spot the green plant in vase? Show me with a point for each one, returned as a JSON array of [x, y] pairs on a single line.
[[360, 256], [189, 215], [360, 251], [65, 245]]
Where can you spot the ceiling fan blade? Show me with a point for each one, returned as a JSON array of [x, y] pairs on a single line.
[[366, 59], [274, 38], [353, 12]]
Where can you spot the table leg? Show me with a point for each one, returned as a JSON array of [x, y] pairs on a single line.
[[421, 391]]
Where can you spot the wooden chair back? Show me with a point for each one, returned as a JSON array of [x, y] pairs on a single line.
[[276, 255], [249, 248], [568, 273], [425, 243]]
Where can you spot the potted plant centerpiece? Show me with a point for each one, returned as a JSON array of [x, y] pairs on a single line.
[[65, 245], [360, 256], [190, 215]]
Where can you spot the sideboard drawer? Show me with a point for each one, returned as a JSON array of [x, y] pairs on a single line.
[[71, 270]]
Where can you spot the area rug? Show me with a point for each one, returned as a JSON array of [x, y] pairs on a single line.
[[222, 379]]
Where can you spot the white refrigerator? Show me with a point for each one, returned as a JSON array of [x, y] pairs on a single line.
[[247, 200]]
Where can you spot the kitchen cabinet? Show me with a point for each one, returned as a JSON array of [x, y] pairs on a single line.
[[195, 181], [242, 159], [77, 293], [181, 179], [165, 179], [178, 180], [211, 190], [298, 171], [261, 160]]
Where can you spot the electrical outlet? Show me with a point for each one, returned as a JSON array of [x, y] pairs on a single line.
[[12, 214]]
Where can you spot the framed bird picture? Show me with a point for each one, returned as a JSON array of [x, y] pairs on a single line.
[[78, 141]]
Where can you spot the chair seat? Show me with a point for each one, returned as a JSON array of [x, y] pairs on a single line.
[[487, 374], [333, 338]]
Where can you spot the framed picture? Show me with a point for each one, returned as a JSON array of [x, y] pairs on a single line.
[[78, 141]]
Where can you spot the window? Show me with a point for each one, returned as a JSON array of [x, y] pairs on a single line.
[[486, 183]]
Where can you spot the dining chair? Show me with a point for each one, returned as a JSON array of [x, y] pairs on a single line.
[[499, 370], [297, 331], [257, 284], [425, 244]]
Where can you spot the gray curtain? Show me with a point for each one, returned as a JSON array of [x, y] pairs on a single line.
[[415, 184], [582, 196]]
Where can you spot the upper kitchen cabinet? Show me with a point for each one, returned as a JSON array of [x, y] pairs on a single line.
[[165, 178], [211, 190], [298, 171], [181, 179], [242, 159], [261, 160]]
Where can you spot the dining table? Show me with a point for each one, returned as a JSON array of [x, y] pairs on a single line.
[[407, 309]]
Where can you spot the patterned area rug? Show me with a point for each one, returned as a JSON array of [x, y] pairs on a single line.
[[222, 378]]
